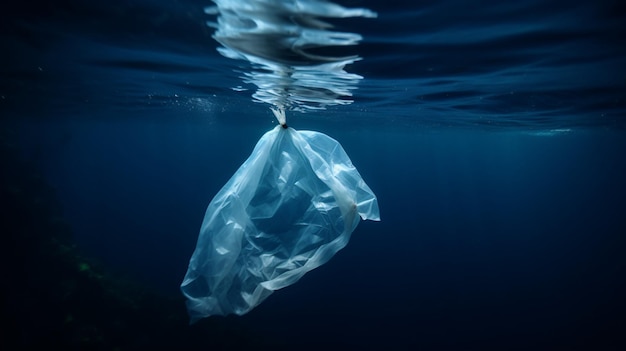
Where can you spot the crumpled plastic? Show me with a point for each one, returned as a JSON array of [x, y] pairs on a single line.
[[287, 210]]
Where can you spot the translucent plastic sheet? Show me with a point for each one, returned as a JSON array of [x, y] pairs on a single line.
[[288, 209]]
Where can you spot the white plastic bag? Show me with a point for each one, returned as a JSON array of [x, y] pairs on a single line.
[[287, 210]]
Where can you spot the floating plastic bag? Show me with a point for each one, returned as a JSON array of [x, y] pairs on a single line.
[[287, 210]]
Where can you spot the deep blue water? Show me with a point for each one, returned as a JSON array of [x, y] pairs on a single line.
[[493, 134]]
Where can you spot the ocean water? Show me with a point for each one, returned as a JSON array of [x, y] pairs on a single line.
[[493, 134]]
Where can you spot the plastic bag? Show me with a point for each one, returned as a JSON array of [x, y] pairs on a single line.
[[287, 210]]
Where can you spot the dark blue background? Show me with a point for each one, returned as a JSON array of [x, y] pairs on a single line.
[[487, 239]]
